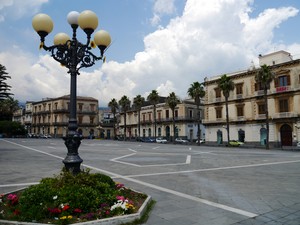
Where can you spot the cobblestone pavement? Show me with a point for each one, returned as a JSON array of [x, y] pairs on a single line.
[[192, 185]]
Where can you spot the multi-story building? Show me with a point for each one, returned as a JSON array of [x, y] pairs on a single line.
[[246, 105], [106, 123], [28, 116], [51, 116], [185, 121]]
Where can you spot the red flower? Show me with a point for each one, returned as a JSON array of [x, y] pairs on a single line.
[[54, 210], [77, 210], [16, 212], [66, 207]]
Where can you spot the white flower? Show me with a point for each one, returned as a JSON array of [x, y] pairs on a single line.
[[55, 197]]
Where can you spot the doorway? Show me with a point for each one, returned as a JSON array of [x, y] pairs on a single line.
[[286, 135]]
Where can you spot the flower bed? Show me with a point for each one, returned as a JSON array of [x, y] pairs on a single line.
[[67, 199]]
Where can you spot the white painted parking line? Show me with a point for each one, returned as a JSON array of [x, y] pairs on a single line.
[[33, 149], [188, 159], [215, 169]]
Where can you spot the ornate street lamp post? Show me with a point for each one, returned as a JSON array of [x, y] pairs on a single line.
[[74, 55]]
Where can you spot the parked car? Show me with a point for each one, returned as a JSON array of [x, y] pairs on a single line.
[[147, 139], [235, 143], [298, 144], [161, 140], [181, 141], [201, 141]]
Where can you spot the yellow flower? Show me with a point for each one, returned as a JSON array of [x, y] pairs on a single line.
[[65, 217]]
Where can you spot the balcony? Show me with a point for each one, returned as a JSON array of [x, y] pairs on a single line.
[[285, 115], [260, 116]]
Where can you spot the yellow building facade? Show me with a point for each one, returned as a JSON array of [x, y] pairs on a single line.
[[185, 121], [50, 116], [246, 105]]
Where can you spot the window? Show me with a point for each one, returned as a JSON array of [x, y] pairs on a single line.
[[79, 119], [218, 92], [240, 110], [218, 113], [55, 105], [261, 108], [258, 86], [283, 105], [239, 89], [80, 107], [176, 113], [49, 107], [144, 118], [92, 107], [159, 116], [282, 81], [149, 116], [91, 120], [191, 113], [167, 114]]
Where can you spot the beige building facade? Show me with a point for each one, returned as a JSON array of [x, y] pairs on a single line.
[[50, 116], [185, 121], [246, 105]]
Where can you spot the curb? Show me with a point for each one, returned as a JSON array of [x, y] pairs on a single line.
[[109, 221]]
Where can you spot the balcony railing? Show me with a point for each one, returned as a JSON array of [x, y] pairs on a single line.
[[285, 115]]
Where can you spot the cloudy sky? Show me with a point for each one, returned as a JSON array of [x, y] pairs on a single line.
[[157, 44]]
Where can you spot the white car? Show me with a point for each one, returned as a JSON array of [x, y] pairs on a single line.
[[182, 141], [201, 141], [161, 140]]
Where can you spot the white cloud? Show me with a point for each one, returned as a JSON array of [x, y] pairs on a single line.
[[210, 38], [16, 9], [161, 8]]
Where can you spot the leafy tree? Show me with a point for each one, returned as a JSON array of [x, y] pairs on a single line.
[[124, 102], [138, 102], [196, 91], [11, 128], [4, 87], [153, 97], [264, 77], [172, 100], [7, 107], [226, 85], [113, 104]]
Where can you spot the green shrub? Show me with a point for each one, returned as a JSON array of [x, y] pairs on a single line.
[[66, 199]]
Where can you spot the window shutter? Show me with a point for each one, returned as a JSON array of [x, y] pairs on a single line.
[[276, 80], [288, 80]]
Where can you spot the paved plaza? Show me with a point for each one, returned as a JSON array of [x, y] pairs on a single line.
[[192, 185]]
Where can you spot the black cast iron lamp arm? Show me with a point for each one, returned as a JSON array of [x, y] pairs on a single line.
[[73, 55]]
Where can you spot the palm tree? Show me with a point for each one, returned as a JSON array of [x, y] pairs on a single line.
[[226, 85], [124, 102], [264, 77], [153, 97], [172, 101], [113, 104], [138, 102], [196, 91]]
